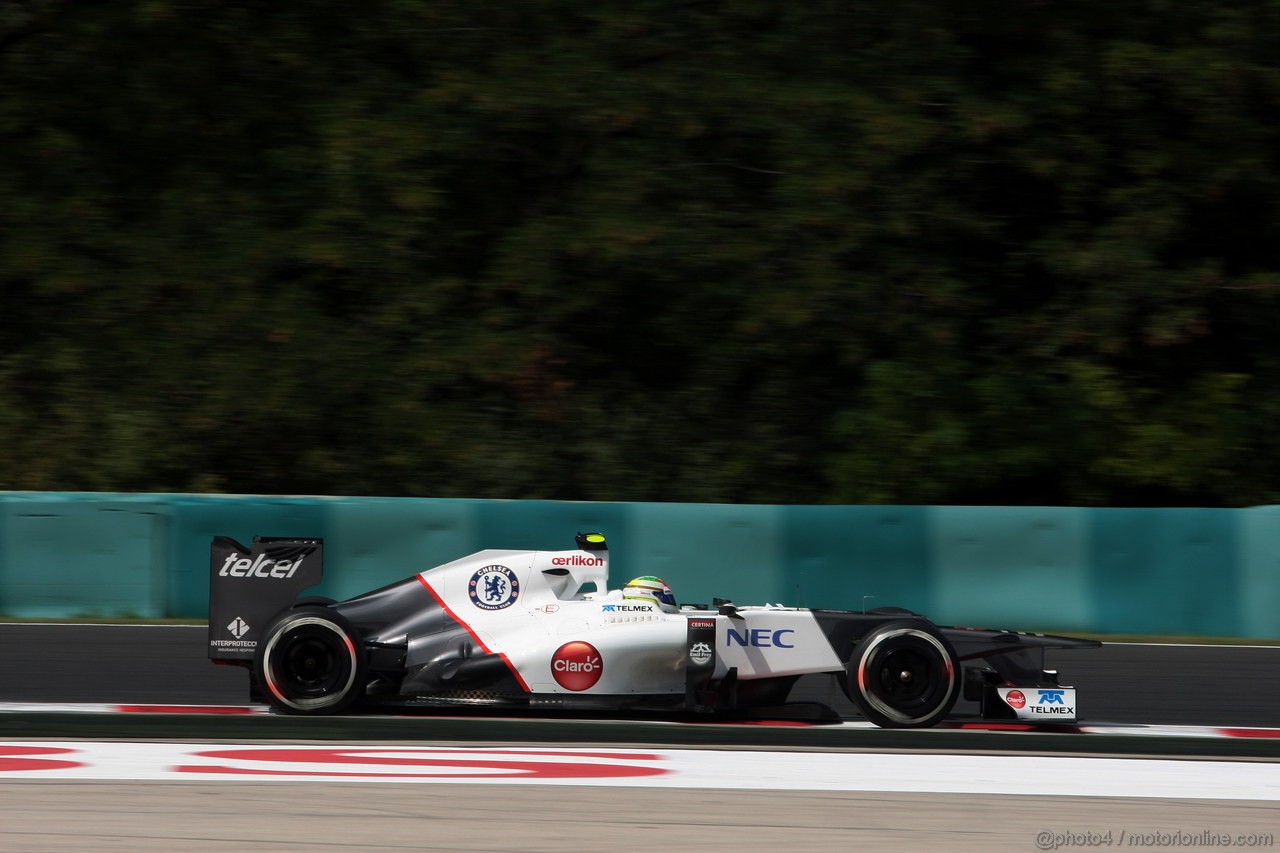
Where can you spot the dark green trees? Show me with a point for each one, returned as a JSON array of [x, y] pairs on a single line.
[[823, 252]]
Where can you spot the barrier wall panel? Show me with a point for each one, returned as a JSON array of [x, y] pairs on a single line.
[[196, 519], [373, 542], [1166, 571], [1012, 567], [705, 551], [848, 557], [1258, 583], [82, 557]]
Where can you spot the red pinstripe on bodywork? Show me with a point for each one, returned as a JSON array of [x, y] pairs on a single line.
[[474, 635]]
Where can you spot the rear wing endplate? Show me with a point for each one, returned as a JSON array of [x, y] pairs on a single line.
[[248, 586]]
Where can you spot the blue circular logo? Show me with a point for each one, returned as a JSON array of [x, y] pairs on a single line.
[[493, 588]]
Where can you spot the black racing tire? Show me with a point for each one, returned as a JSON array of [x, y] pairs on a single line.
[[318, 600], [891, 611], [904, 675], [310, 660]]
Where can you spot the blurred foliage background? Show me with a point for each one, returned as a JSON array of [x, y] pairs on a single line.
[[819, 252]]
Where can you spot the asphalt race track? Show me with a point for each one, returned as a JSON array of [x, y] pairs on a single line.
[[1126, 684], [162, 664]]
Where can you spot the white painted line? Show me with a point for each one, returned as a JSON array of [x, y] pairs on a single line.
[[58, 708], [701, 769]]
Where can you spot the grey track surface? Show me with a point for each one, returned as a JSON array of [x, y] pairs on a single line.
[[167, 665], [1121, 683], [197, 816]]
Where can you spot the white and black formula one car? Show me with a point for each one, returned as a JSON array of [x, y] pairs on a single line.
[[541, 630]]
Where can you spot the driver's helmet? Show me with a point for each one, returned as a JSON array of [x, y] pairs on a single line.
[[649, 588]]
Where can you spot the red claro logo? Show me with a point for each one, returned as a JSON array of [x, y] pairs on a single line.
[[577, 666], [1016, 699]]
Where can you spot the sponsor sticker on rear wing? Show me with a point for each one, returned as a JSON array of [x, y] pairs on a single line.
[[248, 586]]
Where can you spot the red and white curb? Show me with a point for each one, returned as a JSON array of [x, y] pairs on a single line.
[[667, 768], [1100, 729]]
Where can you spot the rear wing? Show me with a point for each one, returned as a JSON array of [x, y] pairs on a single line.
[[248, 586]]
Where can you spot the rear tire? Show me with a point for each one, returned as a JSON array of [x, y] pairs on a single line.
[[310, 661], [318, 600], [904, 675]]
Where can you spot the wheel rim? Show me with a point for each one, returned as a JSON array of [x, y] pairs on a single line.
[[907, 675], [310, 664]]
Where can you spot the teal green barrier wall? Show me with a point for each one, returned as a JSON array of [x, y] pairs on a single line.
[[1258, 571], [1208, 572], [1035, 556], [63, 555], [858, 556], [1169, 571]]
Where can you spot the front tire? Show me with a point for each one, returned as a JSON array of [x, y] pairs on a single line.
[[310, 661], [904, 675]]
